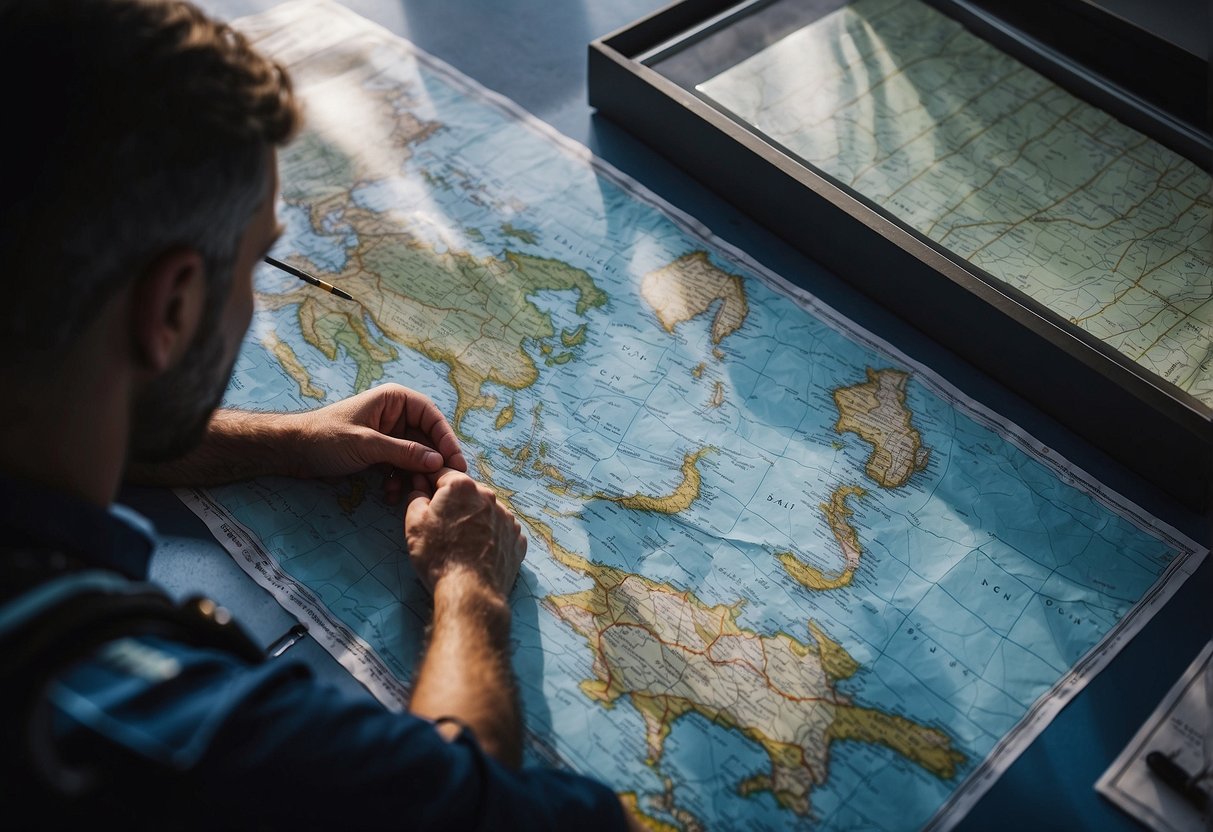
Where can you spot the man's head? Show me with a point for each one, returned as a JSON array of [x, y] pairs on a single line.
[[141, 137]]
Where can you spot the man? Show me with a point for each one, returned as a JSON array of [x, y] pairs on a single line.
[[139, 194]]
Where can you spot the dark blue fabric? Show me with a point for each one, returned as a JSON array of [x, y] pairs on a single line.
[[33, 515], [197, 734]]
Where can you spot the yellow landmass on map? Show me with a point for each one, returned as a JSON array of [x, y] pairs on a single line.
[[672, 654], [519, 234], [628, 799], [697, 371], [573, 337], [680, 499], [688, 287], [350, 501], [838, 515], [717, 398], [664, 802], [549, 471], [876, 411], [835, 660], [504, 417], [524, 454], [294, 367]]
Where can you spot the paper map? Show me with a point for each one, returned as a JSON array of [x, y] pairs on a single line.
[[979, 153], [780, 576]]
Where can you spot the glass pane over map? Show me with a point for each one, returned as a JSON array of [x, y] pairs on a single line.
[[780, 576], [989, 159]]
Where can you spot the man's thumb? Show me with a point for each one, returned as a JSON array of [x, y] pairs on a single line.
[[411, 456]]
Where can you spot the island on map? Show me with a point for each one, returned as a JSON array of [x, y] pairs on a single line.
[[680, 499], [876, 411], [838, 515], [688, 287]]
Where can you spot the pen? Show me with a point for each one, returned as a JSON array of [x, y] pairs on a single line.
[[290, 637], [315, 281], [1184, 784]]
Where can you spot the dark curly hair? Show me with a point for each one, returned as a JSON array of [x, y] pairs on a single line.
[[133, 126]]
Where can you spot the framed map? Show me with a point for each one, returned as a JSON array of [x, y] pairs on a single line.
[[999, 211]]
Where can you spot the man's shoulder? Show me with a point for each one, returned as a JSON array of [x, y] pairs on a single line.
[[164, 698]]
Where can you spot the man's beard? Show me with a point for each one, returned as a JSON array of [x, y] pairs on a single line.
[[171, 415]]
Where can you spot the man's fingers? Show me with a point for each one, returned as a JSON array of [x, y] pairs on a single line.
[[419, 504], [421, 415], [445, 476], [457, 461], [421, 483]]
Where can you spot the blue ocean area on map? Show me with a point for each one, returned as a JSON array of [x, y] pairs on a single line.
[[701, 467]]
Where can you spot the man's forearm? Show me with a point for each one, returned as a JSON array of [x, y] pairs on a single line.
[[466, 671], [238, 445]]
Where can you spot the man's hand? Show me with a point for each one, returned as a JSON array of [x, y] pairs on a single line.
[[462, 528], [389, 426]]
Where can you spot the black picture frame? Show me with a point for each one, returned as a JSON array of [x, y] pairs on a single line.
[[1162, 433]]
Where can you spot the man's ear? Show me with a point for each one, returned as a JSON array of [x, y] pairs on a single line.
[[166, 306]]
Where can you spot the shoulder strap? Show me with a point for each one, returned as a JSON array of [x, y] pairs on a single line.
[[59, 614]]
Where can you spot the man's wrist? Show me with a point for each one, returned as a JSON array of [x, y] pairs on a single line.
[[464, 594]]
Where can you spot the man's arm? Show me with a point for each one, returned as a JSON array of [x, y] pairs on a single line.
[[467, 549], [390, 426]]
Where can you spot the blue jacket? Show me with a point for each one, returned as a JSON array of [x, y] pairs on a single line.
[[186, 732]]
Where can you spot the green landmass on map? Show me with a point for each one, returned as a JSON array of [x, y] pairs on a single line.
[[473, 314]]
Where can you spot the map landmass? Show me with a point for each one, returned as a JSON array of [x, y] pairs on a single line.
[[838, 515], [631, 803], [689, 287], [876, 411], [775, 690], [290, 362], [680, 499]]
